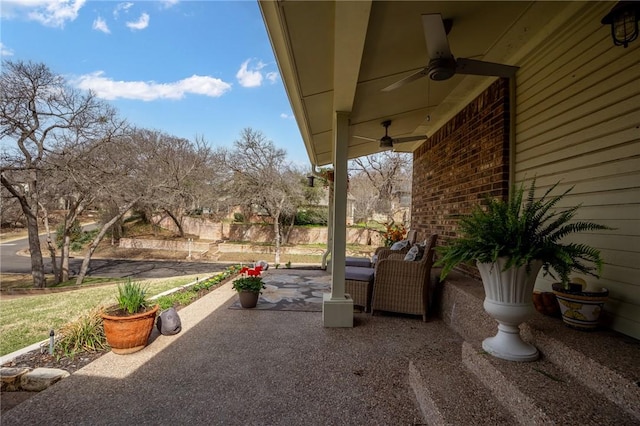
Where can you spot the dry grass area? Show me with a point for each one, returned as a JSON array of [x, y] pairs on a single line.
[[12, 234]]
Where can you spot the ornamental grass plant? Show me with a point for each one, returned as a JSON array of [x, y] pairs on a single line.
[[132, 297]]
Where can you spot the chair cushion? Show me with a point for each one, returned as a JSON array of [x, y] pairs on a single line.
[[362, 262], [358, 274], [415, 253], [400, 245]]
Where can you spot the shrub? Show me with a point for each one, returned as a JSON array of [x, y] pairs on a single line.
[[86, 334], [312, 216], [77, 238], [238, 217]]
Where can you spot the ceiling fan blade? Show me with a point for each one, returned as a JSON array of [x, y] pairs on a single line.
[[413, 77], [435, 35], [475, 67], [365, 138], [409, 139]]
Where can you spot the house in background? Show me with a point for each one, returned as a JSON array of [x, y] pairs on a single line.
[[570, 113]]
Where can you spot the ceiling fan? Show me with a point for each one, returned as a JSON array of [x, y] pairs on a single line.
[[442, 65], [387, 142]]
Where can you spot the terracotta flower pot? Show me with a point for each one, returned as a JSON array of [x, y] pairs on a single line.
[[546, 303], [128, 334]]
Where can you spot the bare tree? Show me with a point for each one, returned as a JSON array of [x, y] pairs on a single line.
[[365, 197], [145, 168], [126, 167], [263, 177], [387, 172], [11, 215], [40, 116], [183, 166]]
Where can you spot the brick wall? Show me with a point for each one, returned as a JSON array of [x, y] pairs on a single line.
[[462, 162]]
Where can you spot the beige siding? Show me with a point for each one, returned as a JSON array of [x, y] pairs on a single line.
[[578, 122]]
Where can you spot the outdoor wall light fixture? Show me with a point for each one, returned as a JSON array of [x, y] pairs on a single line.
[[310, 180], [623, 19]]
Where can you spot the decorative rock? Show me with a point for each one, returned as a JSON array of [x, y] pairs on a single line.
[[41, 378], [11, 377], [169, 323], [263, 263]]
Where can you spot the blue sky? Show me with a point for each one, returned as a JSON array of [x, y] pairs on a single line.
[[188, 68]]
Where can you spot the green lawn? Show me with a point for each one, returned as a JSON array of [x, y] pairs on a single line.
[[28, 319]]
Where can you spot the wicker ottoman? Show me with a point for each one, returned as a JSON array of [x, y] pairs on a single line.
[[359, 284]]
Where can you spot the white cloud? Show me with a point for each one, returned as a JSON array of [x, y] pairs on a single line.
[[286, 116], [250, 77], [272, 76], [5, 51], [51, 13], [121, 7], [140, 24], [109, 89], [101, 25], [169, 3]]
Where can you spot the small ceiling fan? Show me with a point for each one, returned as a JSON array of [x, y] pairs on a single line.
[[387, 142], [442, 65]]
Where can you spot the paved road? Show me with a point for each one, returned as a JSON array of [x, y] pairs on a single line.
[[11, 262]]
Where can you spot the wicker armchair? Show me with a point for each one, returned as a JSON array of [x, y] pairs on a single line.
[[403, 286], [380, 253]]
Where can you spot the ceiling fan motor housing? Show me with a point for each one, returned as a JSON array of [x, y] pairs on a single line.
[[442, 68], [386, 142]]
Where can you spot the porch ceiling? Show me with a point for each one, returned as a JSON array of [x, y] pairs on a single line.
[[337, 56]]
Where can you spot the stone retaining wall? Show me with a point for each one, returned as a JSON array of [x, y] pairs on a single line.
[[251, 248], [196, 247], [264, 233]]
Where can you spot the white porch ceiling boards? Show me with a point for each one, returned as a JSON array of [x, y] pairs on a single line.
[[323, 48]]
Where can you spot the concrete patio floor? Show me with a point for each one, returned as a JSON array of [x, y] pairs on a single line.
[[249, 367]]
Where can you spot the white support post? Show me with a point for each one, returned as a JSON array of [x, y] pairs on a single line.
[[337, 308]]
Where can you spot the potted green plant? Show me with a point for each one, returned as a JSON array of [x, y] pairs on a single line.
[[510, 241], [128, 325], [248, 288]]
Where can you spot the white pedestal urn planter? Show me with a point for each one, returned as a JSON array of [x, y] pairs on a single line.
[[509, 300]]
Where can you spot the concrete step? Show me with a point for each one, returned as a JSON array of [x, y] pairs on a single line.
[[457, 383], [448, 394], [601, 362], [541, 393]]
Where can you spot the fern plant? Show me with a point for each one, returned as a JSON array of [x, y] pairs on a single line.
[[523, 230]]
